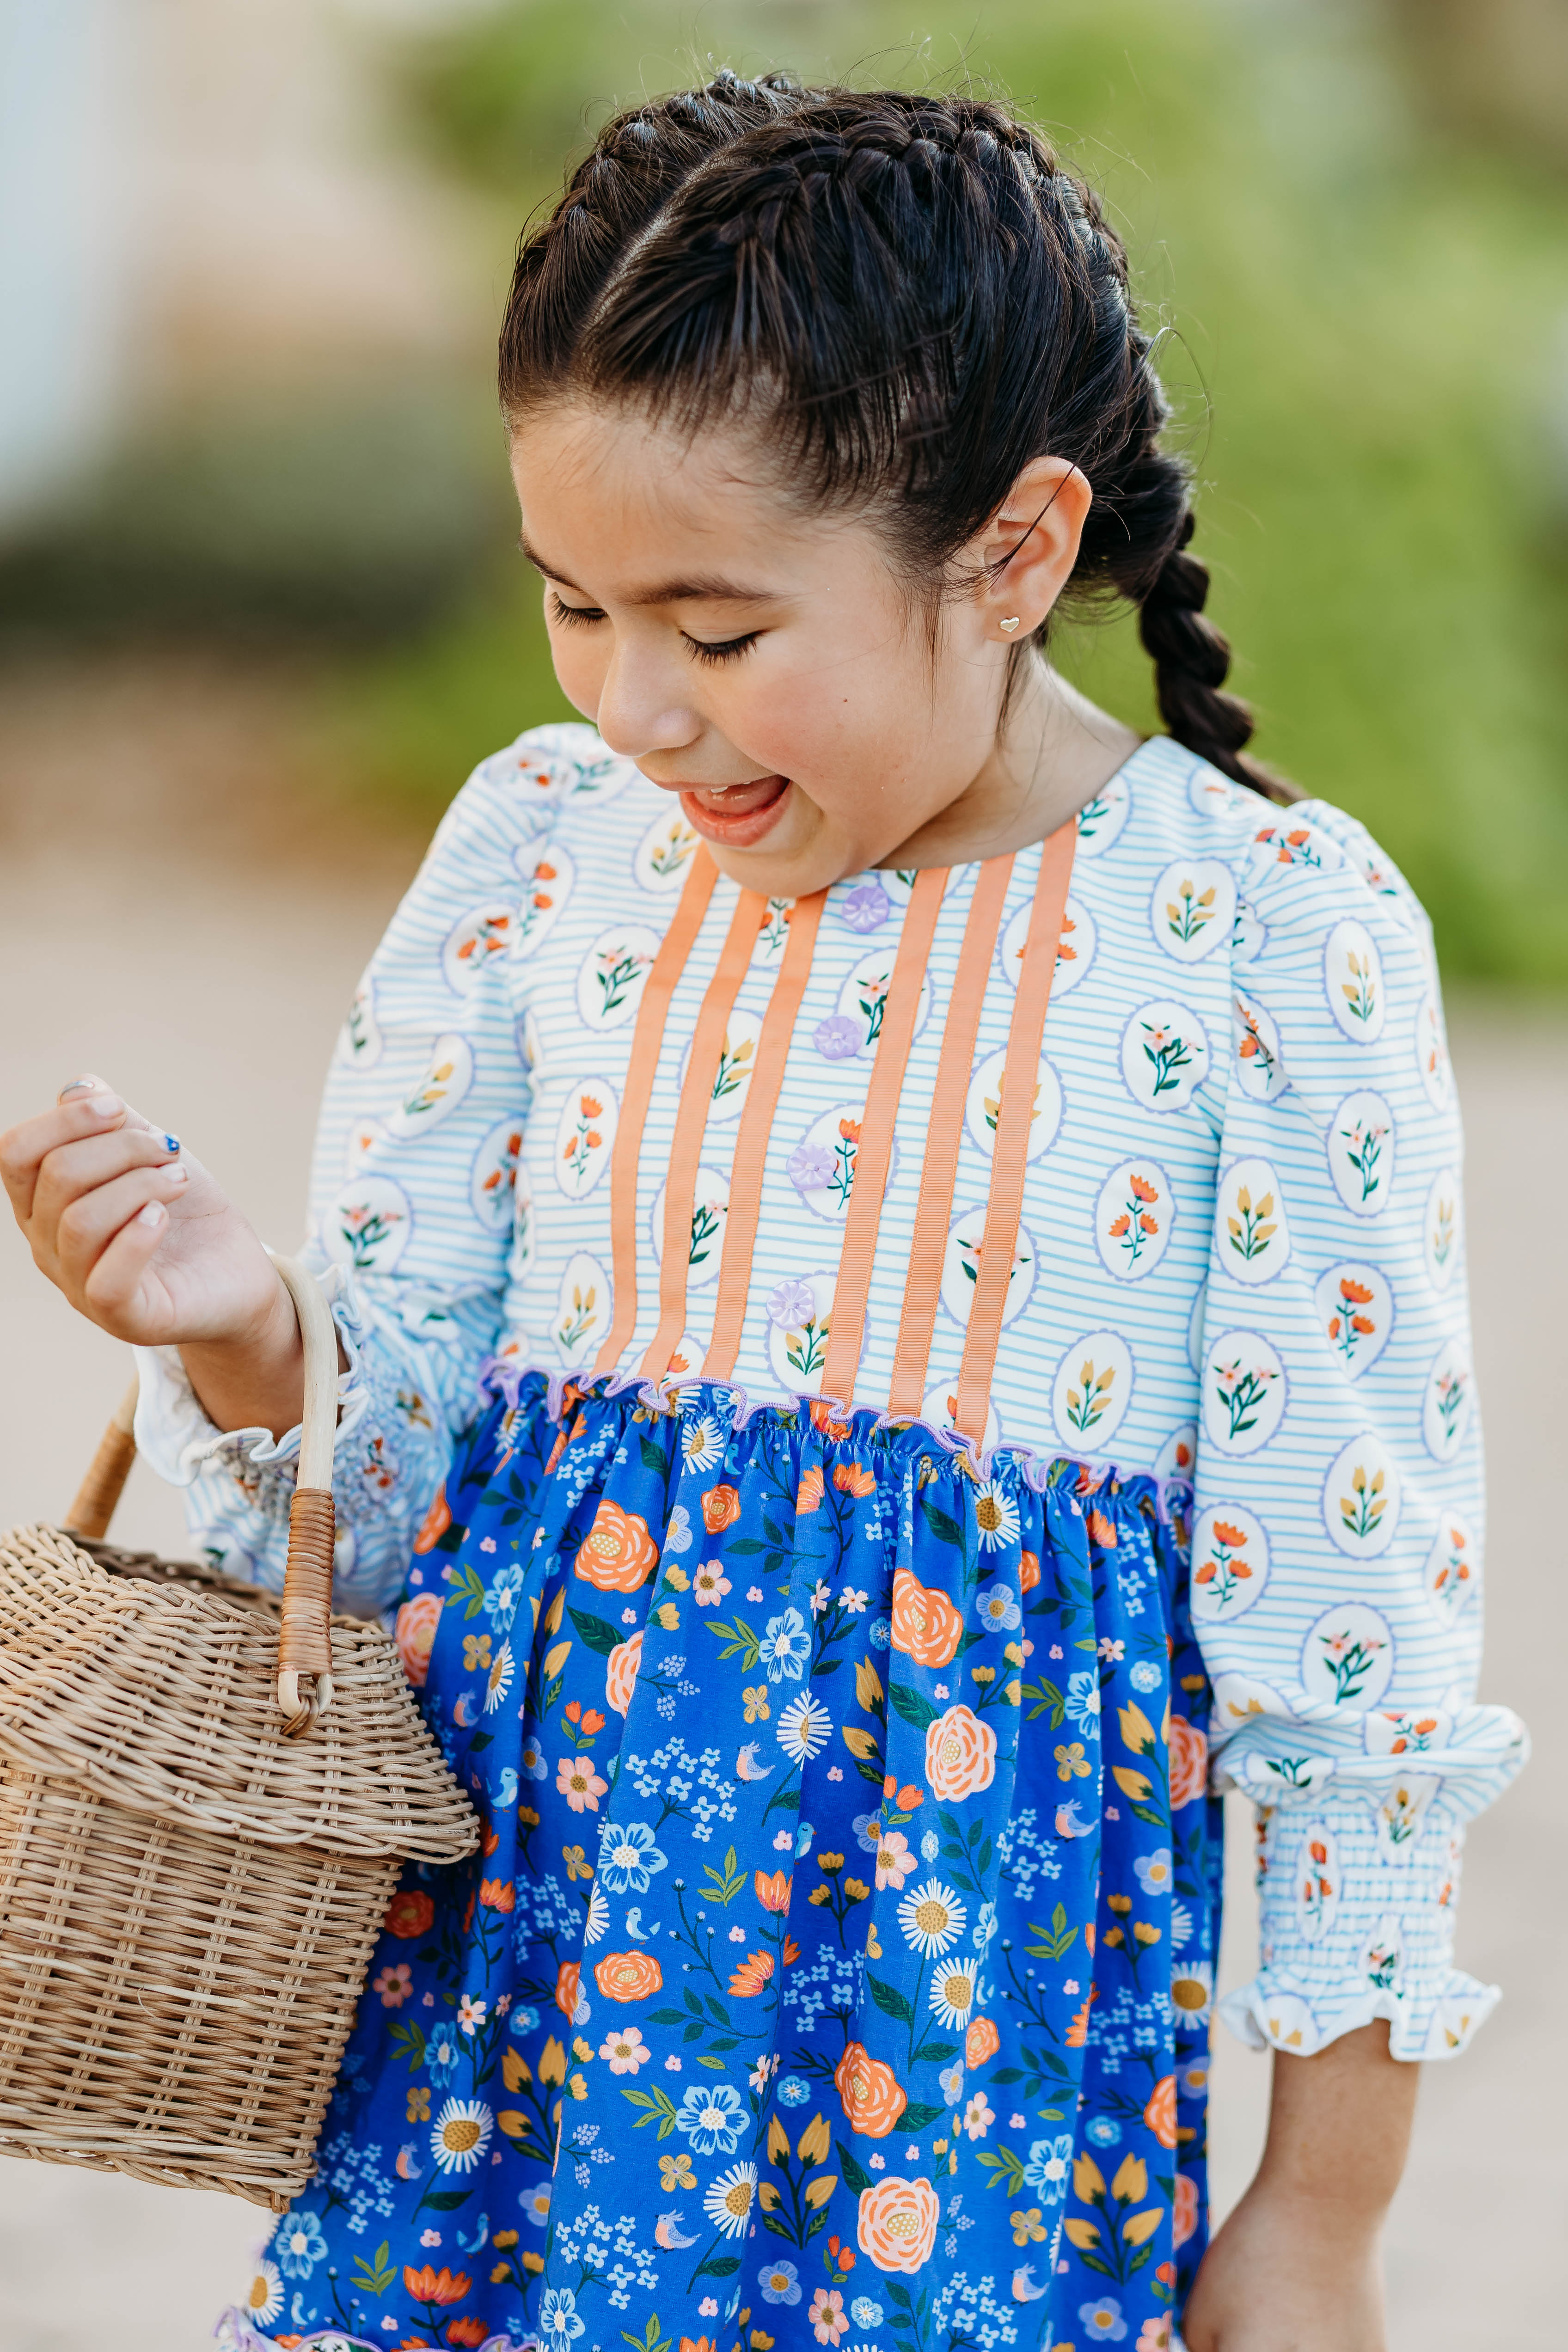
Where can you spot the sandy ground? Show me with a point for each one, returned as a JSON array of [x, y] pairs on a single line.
[[167, 919]]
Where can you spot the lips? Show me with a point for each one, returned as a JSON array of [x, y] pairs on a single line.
[[736, 816]]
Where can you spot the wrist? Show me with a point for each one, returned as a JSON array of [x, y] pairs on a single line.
[[253, 1376], [1347, 2216]]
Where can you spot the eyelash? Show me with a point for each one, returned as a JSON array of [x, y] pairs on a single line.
[[574, 616]]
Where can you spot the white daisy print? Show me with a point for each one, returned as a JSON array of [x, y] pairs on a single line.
[[501, 1678], [728, 2202], [952, 1994], [265, 2301], [805, 1729], [461, 2134], [702, 1443], [598, 1918], [996, 1516], [932, 1918]]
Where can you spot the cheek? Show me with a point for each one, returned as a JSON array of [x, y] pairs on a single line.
[[828, 729], [580, 659]]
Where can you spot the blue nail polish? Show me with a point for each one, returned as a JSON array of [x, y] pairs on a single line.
[[171, 1143]]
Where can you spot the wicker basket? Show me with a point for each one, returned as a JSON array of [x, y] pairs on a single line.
[[205, 1799]]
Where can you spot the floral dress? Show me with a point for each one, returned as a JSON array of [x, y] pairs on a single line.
[[963, 1364]]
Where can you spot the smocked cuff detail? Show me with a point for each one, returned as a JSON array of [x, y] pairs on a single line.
[[1357, 1923], [1376, 1758]]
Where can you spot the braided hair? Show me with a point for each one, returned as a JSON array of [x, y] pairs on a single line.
[[908, 297]]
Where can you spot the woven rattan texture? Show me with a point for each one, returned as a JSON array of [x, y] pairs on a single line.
[[158, 1696], [173, 2004]]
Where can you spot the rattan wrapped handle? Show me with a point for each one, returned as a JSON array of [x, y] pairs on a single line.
[[305, 1634]]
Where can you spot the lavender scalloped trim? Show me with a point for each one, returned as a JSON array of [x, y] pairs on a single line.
[[504, 1376]]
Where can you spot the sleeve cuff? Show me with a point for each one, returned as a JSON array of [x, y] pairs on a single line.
[[1357, 1923]]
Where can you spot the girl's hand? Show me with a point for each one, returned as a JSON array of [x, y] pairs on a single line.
[[1282, 2277], [1297, 2266], [147, 1244]]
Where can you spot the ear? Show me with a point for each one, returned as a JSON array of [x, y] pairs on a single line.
[[1023, 558]]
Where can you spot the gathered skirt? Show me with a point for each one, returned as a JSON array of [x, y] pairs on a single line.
[[837, 1966]]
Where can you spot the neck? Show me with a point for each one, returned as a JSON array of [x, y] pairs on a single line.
[[1055, 751]]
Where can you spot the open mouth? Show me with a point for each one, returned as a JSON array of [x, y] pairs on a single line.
[[735, 816]]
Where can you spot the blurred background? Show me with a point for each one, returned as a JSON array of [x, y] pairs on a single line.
[[260, 611]]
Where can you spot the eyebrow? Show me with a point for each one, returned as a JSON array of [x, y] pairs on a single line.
[[712, 587]]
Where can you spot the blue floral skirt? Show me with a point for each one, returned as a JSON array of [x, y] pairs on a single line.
[[836, 1969]]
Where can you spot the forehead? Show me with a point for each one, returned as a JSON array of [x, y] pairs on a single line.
[[638, 504]]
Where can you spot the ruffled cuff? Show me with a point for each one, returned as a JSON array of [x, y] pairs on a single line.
[[1358, 1899], [175, 1438]]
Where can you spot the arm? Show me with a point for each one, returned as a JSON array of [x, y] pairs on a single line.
[[1336, 1554], [411, 1205], [1309, 2225], [411, 1214]]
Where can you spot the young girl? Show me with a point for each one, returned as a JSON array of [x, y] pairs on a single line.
[[887, 1157]]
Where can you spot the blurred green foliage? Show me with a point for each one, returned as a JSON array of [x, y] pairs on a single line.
[[1365, 307], [348, 512]]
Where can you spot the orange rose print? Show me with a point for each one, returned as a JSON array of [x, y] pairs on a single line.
[[628, 1976], [617, 1555], [897, 2223], [621, 1673], [926, 1625], [1189, 1761], [1028, 1571], [1186, 2212], [568, 1977], [409, 1913], [960, 1755], [414, 1635], [1160, 2115], [981, 2041], [721, 1509], [873, 2097], [436, 1521]]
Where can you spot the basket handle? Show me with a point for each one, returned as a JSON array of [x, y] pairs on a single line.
[[305, 1638], [305, 1633], [104, 1483]]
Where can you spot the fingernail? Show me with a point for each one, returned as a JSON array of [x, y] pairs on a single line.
[[179, 1175], [152, 1214], [106, 1105], [79, 1086]]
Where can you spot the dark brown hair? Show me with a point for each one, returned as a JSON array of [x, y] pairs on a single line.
[[910, 297]]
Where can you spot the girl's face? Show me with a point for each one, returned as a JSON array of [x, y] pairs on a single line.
[[764, 665]]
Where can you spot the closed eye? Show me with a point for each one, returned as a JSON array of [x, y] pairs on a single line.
[[726, 649], [572, 615]]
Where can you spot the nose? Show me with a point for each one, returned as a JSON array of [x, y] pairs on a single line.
[[637, 713]]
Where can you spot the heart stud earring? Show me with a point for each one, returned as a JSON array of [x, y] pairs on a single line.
[[1007, 627]]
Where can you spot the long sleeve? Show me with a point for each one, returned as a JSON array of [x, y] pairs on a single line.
[[1338, 1528], [413, 1212]]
